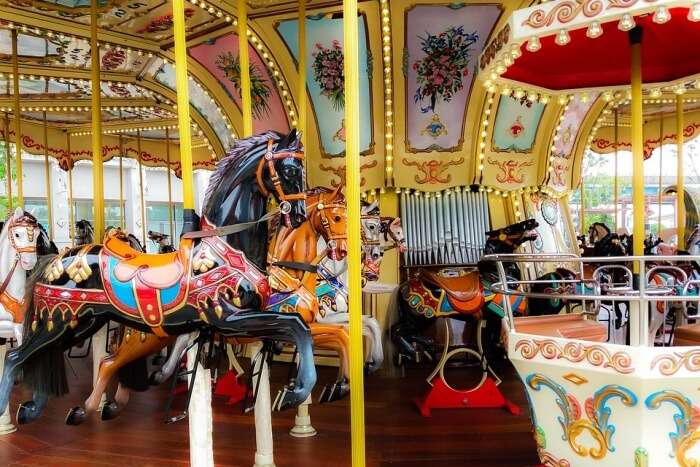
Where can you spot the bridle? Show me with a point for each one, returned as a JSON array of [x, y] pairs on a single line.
[[10, 303], [269, 160], [28, 223], [321, 208], [365, 240]]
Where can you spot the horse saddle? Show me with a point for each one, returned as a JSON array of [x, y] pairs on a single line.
[[463, 289], [145, 285]]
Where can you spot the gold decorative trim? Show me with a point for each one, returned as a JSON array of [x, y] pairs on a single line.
[[596, 355]]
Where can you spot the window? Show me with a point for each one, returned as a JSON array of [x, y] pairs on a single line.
[[159, 221], [39, 209], [83, 209]]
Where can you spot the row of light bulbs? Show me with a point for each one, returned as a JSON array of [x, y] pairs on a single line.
[[388, 91], [557, 130], [483, 130], [79, 108]]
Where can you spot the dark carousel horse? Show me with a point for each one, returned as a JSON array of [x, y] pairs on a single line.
[[454, 293], [207, 285], [84, 233], [162, 240]]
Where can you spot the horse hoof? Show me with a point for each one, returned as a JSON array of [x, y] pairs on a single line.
[[289, 398], [109, 411], [75, 416], [340, 390], [324, 394], [26, 412]]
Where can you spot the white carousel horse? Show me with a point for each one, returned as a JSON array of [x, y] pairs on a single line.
[[18, 254]]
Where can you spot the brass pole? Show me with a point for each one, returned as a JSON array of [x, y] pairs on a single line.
[[680, 177], [8, 162], [637, 130], [661, 166], [616, 187], [71, 210], [18, 119], [582, 208], [97, 169], [47, 175], [301, 91], [122, 214], [171, 214], [244, 62], [143, 192]]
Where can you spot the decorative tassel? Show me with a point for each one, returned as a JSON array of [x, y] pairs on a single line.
[[203, 316]]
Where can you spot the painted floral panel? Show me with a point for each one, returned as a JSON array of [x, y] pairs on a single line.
[[516, 124], [443, 44], [571, 123], [326, 80]]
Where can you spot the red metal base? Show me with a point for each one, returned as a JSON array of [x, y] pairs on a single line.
[[230, 385], [441, 396]]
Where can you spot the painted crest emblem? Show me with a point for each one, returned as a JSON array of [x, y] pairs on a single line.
[[435, 128]]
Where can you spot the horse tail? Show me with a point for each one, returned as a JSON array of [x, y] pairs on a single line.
[[45, 371], [134, 375]]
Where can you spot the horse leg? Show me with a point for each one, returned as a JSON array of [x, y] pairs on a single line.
[[340, 388], [375, 335], [174, 359]]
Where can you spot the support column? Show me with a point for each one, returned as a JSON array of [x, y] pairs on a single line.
[[97, 172], [301, 90], [616, 187], [8, 163], [18, 118], [263, 414], [680, 176], [47, 175], [171, 214], [122, 208], [352, 192], [71, 212], [637, 131], [6, 426], [661, 167], [141, 188], [244, 61], [200, 416]]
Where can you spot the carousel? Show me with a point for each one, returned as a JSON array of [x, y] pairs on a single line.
[[385, 232]]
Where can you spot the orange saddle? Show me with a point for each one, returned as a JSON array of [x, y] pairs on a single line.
[[463, 289], [142, 285]]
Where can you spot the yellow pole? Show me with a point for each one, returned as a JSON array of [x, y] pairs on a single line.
[[637, 131], [71, 213], [8, 163], [18, 119], [170, 187], [97, 173], [143, 191], [301, 91], [122, 214], [616, 188], [680, 177], [244, 62], [47, 175], [661, 166], [183, 106], [582, 208], [352, 192]]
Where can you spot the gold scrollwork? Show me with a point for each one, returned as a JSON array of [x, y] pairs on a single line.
[[669, 364], [565, 12], [595, 355]]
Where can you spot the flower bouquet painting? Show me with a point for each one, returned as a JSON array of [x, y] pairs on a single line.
[[328, 73], [259, 90], [441, 71]]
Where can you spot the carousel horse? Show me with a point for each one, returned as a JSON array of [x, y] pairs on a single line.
[[457, 293], [84, 233], [76, 293], [292, 279], [162, 241], [18, 254]]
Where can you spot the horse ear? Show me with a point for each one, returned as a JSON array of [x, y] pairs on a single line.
[[19, 212], [338, 190]]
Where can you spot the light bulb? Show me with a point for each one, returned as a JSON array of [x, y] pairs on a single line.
[[626, 23], [694, 12], [594, 30], [563, 37], [662, 15], [533, 45]]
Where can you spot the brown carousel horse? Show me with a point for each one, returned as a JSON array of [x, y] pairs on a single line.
[[76, 293], [292, 275]]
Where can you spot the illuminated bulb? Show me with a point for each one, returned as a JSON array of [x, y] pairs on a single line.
[[594, 30], [533, 45], [584, 97], [544, 99], [563, 37], [655, 93], [694, 12], [519, 94], [662, 15], [506, 91], [562, 100], [515, 52], [626, 23]]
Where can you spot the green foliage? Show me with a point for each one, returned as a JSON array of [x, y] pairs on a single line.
[[4, 205]]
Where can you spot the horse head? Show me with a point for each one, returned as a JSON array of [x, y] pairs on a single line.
[[507, 239], [597, 231], [693, 244], [327, 213], [22, 231], [391, 228], [84, 232]]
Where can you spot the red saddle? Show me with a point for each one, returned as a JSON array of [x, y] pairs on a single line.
[[463, 290]]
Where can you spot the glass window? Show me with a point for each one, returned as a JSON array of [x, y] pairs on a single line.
[[39, 208], [84, 209], [159, 221]]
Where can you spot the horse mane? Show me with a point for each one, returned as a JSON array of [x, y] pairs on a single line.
[[238, 156]]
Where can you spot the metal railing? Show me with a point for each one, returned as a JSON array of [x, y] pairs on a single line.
[[636, 293]]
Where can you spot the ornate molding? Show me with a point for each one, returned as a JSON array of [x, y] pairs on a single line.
[[565, 12], [670, 364], [432, 170], [595, 355]]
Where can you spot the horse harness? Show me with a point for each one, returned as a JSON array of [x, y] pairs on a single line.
[[269, 160], [11, 304]]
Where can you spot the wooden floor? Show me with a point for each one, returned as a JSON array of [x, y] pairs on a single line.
[[396, 433]]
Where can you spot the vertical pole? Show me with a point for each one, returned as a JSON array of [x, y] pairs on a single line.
[[170, 188], [352, 191], [8, 162], [47, 174], [18, 118], [244, 61], [582, 208], [301, 91], [71, 212], [141, 188], [122, 214], [616, 187], [200, 420], [637, 130], [680, 177], [661, 166], [97, 175]]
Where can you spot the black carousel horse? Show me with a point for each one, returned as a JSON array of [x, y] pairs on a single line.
[[207, 285], [454, 293], [162, 241], [84, 233]]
